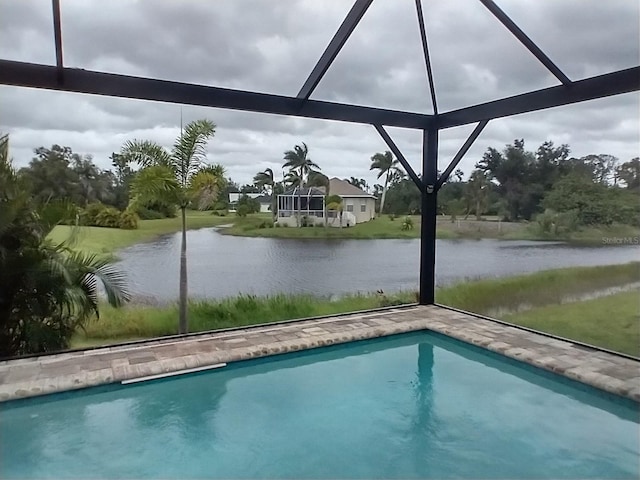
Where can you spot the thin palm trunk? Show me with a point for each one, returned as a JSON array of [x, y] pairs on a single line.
[[384, 193], [183, 326], [274, 203]]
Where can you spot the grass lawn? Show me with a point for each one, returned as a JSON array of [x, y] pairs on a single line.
[[381, 227], [547, 287], [108, 240], [611, 322]]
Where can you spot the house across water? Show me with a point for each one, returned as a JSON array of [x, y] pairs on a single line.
[[307, 205]]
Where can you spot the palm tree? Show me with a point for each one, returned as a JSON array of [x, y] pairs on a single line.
[[47, 290], [298, 162], [179, 177], [387, 166], [318, 179], [266, 180]]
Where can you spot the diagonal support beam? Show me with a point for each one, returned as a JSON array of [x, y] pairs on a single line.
[[113, 85], [526, 41], [57, 33], [461, 153], [427, 59], [336, 44], [403, 161], [609, 84]]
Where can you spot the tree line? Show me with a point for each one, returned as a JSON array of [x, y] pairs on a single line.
[[546, 185]]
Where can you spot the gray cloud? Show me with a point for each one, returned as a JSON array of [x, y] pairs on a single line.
[[271, 46]]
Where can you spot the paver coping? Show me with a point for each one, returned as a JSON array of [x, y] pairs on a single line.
[[46, 374]]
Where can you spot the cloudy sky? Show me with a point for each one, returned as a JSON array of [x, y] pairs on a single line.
[[272, 45]]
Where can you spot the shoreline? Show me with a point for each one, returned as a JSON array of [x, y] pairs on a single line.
[[108, 241]]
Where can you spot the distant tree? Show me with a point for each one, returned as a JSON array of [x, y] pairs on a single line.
[[248, 188], [629, 173], [251, 205], [515, 170], [179, 177], [265, 181], [300, 166], [593, 203], [317, 179], [403, 198], [387, 167], [334, 203], [477, 193], [358, 182]]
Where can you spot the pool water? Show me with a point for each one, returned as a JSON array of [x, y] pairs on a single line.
[[410, 406]]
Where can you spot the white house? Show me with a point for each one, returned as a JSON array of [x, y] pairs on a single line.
[[264, 200], [357, 205]]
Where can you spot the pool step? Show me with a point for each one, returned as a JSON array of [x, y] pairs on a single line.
[[172, 374]]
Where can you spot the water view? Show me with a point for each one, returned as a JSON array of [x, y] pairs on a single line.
[[221, 265]]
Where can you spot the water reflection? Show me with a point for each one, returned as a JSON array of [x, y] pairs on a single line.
[[221, 265]]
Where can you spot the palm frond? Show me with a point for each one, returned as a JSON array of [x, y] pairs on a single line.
[[154, 183], [145, 153], [204, 188], [189, 149]]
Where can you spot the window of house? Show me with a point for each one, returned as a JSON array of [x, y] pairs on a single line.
[[363, 205], [349, 208]]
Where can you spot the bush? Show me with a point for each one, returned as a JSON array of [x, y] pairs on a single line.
[[89, 215], [392, 217], [147, 214], [242, 211], [265, 224], [128, 220], [109, 218], [407, 223], [156, 211]]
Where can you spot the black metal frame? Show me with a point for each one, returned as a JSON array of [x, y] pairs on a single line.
[[85, 81]]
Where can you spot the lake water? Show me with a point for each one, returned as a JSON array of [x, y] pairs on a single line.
[[224, 265]]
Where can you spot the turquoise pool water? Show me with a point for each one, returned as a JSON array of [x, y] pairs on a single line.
[[411, 406]]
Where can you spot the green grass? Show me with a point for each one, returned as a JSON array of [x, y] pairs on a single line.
[[611, 322], [541, 294], [108, 240], [537, 289], [378, 228], [136, 322]]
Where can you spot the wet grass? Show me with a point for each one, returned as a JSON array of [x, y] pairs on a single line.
[[611, 322], [135, 322], [547, 287]]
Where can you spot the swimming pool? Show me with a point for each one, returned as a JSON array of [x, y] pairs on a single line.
[[409, 406]]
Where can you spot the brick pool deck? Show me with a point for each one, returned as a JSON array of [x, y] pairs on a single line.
[[67, 371]]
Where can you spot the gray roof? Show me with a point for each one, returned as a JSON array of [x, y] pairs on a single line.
[[345, 189]]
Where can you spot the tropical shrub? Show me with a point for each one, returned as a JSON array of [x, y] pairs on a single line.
[[407, 224], [242, 210], [128, 220], [109, 218], [89, 215], [47, 290]]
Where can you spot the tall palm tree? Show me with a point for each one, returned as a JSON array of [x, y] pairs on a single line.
[[47, 290], [387, 167], [298, 161], [266, 180], [179, 177]]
